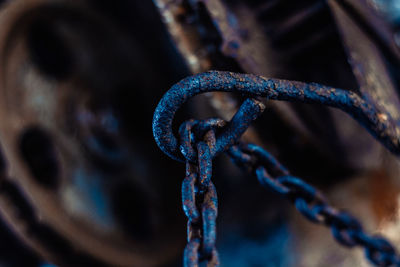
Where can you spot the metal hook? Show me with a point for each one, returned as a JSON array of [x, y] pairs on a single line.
[[379, 124]]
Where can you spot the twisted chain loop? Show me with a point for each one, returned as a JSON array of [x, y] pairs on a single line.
[[312, 204]]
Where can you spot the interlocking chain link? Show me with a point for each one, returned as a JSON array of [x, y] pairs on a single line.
[[199, 197], [312, 204], [201, 141]]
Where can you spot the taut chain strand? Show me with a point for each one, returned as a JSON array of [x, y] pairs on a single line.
[[312, 204], [201, 140]]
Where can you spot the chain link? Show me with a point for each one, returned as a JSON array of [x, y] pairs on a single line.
[[312, 204], [199, 197], [198, 146]]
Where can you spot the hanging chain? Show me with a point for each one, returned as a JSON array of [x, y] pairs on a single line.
[[201, 140], [199, 199]]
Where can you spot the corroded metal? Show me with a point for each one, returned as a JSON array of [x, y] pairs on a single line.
[[377, 122], [199, 197], [62, 107], [347, 230], [274, 39]]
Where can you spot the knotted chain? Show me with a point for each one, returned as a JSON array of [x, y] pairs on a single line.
[[201, 141]]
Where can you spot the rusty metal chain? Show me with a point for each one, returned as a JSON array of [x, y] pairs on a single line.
[[199, 198], [312, 204], [201, 140]]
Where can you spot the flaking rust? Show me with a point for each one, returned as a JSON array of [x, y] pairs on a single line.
[[79, 84], [367, 114], [311, 203]]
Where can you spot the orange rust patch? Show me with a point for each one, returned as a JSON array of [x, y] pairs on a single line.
[[383, 197]]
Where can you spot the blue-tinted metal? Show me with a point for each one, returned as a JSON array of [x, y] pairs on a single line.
[[188, 138], [266, 180], [345, 228], [247, 113], [205, 164], [199, 145], [191, 255], [266, 159], [199, 197], [209, 214], [379, 124], [189, 198]]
